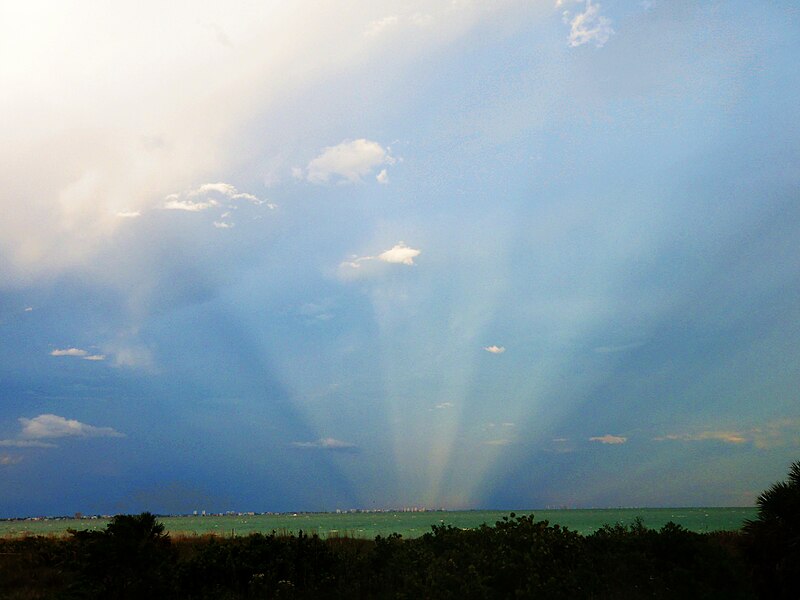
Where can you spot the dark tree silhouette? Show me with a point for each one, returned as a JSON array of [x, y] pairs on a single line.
[[772, 539]]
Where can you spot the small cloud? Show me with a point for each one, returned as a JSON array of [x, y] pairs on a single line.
[[94, 357], [297, 173], [495, 349], [25, 444], [189, 205], [400, 254], [560, 440], [129, 214], [9, 459], [53, 426], [444, 405], [588, 26], [500, 442], [609, 439], [69, 352], [382, 177], [612, 349], [729, 437], [348, 161], [220, 196], [329, 444], [28, 309], [77, 353]]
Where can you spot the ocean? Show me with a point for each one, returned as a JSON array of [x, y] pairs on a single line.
[[408, 524]]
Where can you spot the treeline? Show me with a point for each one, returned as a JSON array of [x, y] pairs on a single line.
[[518, 557]]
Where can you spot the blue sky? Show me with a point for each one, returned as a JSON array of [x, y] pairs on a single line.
[[308, 255]]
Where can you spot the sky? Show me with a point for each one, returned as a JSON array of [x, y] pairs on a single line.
[[308, 255]]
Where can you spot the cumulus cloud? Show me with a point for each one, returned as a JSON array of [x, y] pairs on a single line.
[[495, 349], [382, 177], [399, 254], [348, 161], [609, 439], [52, 426], [328, 443], [588, 26]]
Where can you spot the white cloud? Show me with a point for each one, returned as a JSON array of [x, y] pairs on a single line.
[[326, 444], [399, 254], [129, 214], [53, 426], [8, 459], [69, 352], [78, 353], [609, 439], [445, 405], [28, 309], [348, 161], [223, 225], [189, 205], [382, 177], [589, 26], [495, 349], [25, 444]]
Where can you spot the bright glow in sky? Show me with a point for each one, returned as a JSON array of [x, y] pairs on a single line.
[[307, 255]]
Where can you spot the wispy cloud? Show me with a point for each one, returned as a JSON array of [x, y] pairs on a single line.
[[588, 26], [221, 196], [69, 352], [349, 161], [444, 405], [9, 459], [329, 443], [609, 439], [495, 349], [25, 444], [77, 353], [53, 426], [729, 437], [499, 442]]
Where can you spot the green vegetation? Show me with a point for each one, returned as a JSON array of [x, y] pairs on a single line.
[[517, 557]]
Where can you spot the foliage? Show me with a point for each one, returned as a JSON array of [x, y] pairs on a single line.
[[517, 557], [772, 540]]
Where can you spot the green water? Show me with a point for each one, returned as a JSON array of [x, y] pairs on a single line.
[[409, 525]]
